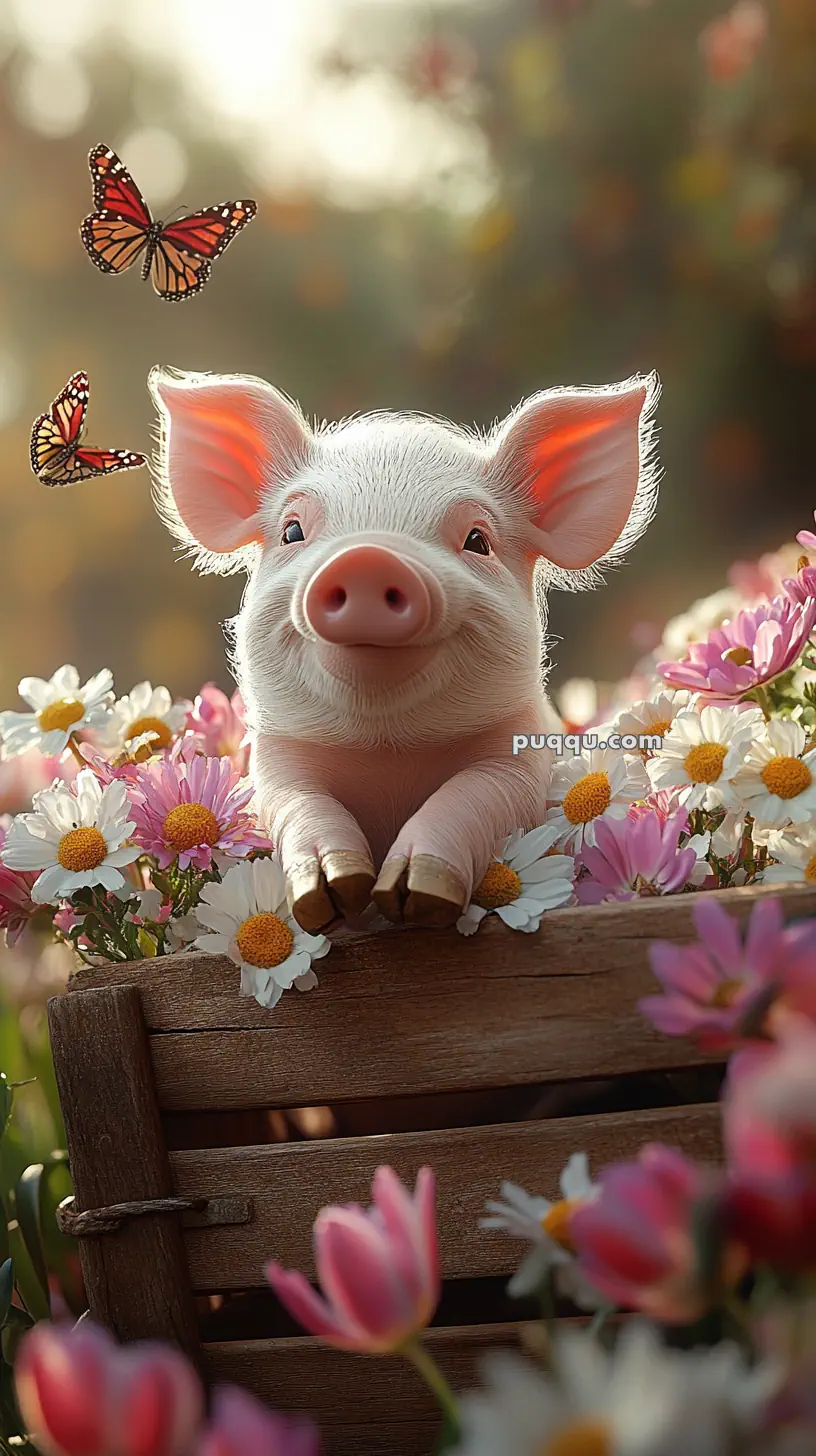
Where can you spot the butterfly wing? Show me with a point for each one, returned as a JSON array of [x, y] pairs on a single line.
[[115, 233], [55, 434], [186, 250], [82, 463]]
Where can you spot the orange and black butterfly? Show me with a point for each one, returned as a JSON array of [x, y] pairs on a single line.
[[57, 457], [178, 255]]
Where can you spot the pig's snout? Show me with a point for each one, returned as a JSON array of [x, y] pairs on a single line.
[[367, 596]]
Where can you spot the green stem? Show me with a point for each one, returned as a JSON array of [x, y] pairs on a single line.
[[435, 1380]]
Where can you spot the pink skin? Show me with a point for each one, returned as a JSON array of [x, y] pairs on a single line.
[[715, 988], [240, 1426], [634, 1241], [385, 667], [81, 1395], [378, 1268]]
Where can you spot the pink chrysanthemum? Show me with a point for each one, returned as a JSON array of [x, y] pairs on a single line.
[[715, 987], [189, 807], [807, 538], [636, 856], [665, 803], [220, 723], [802, 586], [758, 645], [16, 905]]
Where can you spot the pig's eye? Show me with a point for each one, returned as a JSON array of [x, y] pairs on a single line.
[[476, 542], [292, 532]]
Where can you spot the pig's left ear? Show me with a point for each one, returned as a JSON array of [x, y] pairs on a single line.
[[581, 461], [224, 441]]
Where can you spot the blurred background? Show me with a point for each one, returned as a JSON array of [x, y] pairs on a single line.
[[459, 202]]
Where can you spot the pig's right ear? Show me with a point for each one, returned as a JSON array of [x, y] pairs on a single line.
[[223, 442]]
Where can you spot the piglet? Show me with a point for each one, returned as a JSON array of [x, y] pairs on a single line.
[[390, 642]]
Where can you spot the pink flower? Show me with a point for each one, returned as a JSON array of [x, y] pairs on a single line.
[[713, 988], [807, 538], [760, 643], [81, 1395], [379, 1269], [665, 803], [802, 586], [769, 1117], [240, 1426], [188, 807], [636, 856], [220, 723], [16, 905], [732, 42], [635, 1240]]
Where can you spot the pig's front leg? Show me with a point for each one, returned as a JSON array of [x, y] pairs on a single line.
[[325, 855], [445, 848]]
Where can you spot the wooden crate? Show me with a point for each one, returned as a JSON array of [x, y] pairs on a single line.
[[161, 1061]]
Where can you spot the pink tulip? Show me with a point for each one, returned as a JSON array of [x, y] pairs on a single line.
[[635, 1241], [379, 1269], [240, 1426], [82, 1395]]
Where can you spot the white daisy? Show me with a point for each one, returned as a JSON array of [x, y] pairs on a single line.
[[654, 715], [142, 722], [777, 781], [525, 881], [250, 918], [702, 753], [589, 786], [545, 1225], [61, 707], [640, 1399], [795, 851], [75, 837]]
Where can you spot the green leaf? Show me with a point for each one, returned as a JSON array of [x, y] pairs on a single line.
[[6, 1102], [6, 1290], [28, 1206], [449, 1437], [29, 1286]]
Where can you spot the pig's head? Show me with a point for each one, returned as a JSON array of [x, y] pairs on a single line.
[[397, 564]]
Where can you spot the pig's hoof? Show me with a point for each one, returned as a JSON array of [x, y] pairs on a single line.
[[424, 891], [350, 877], [340, 887]]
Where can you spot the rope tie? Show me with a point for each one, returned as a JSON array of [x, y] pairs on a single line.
[[82, 1225]]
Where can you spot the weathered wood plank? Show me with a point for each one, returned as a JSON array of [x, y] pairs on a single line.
[[470, 1164], [365, 1406], [136, 1279], [398, 969]]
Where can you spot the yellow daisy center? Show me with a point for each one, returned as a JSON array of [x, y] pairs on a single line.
[[556, 1222], [190, 824], [264, 940], [588, 798], [162, 736], [586, 1436], [82, 849], [703, 763], [726, 993], [802, 562], [740, 656], [810, 868], [500, 886], [659, 728], [60, 714], [786, 777]]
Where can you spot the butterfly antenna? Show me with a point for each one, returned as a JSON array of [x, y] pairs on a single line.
[[182, 210]]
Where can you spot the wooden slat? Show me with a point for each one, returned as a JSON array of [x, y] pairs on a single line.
[[365, 1405], [470, 1164], [423, 1011], [136, 1278]]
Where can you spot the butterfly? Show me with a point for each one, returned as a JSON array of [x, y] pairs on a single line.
[[57, 457], [179, 255]]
